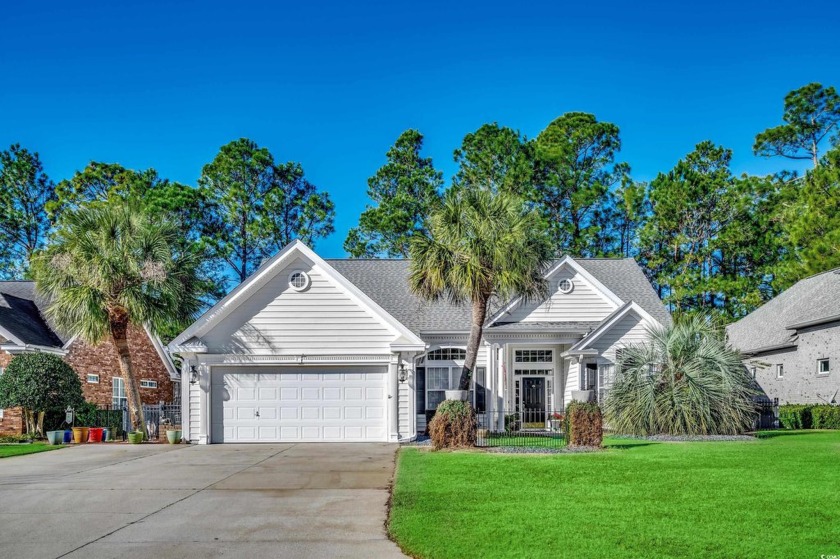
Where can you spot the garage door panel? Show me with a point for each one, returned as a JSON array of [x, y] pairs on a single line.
[[331, 404]]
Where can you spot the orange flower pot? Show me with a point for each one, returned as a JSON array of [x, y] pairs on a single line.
[[80, 434]]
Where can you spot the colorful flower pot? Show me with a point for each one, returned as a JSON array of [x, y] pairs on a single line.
[[135, 437], [68, 435], [95, 435], [173, 436], [80, 434], [106, 434], [55, 437]]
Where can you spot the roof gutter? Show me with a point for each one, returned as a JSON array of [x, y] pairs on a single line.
[[24, 348], [814, 322], [765, 349]]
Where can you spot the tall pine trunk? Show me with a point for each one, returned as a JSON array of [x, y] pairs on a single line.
[[119, 335], [479, 313]]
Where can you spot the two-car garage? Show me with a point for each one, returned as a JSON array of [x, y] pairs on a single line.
[[298, 404]]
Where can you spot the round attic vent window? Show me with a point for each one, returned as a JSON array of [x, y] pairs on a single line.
[[565, 286], [299, 280]]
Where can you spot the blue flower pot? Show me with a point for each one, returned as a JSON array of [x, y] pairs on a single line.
[[106, 434], [68, 435], [55, 437]]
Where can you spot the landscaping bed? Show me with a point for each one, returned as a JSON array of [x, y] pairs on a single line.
[[638, 498]]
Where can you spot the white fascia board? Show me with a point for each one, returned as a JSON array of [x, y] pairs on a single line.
[[565, 261], [611, 321], [11, 337], [162, 353], [259, 278]]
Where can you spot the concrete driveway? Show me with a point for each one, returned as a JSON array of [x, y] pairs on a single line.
[[277, 500]]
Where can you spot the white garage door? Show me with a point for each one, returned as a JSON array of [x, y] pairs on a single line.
[[298, 404]]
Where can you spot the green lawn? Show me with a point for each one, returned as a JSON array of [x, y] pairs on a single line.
[[15, 449], [774, 497]]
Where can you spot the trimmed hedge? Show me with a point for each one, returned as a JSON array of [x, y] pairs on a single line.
[[825, 417], [583, 424], [454, 425], [795, 416], [809, 416]]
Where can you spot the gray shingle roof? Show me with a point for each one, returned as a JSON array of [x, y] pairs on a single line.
[[21, 314], [810, 299], [386, 282]]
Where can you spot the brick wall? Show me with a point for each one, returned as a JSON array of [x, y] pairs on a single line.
[[12, 421], [102, 360]]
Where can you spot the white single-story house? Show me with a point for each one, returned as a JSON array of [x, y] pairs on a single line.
[[308, 349]]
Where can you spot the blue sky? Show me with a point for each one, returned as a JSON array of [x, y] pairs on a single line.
[[332, 85]]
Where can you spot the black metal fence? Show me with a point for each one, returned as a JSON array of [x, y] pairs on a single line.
[[768, 413], [523, 428]]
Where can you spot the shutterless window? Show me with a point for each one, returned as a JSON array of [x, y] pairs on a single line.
[[145, 383], [447, 354], [93, 379], [437, 380], [780, 371], [533, 356], [118, 397], [823, 366]]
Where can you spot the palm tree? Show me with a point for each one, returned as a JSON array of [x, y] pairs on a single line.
[[480, 245], [111, 266], [684, 381]]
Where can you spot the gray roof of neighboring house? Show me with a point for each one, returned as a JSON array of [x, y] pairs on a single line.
[[810, 300], [386, 282], [21, 314]]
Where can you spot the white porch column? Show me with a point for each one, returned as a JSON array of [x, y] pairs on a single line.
[[572, 380], [394, 398], [204, 403], [501, 356], [185, 398]]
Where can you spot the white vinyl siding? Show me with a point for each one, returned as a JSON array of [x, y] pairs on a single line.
[[321, 319], [585, 303]]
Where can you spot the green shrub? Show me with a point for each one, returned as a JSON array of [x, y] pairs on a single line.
[[454, 425], [795, 416], [583, 424], [825, 417], [39, 383]]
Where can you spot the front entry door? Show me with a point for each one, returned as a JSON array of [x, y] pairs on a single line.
[[533, 401]]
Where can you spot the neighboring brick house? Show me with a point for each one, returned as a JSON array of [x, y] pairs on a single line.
[[23, 328], [791, 344]]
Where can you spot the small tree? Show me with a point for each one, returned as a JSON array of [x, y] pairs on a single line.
[[684, 381], [39, 383]]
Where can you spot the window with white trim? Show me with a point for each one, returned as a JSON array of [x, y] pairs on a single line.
[[437, 381], [533, 356], [447, 354], [780, 371], [146, 383], [92, 378], [565, 286], [2, 370], [118, 397], [299, 280], [823, 366]]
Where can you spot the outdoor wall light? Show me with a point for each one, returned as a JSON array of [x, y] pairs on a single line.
[[193, 375], [403, 373]]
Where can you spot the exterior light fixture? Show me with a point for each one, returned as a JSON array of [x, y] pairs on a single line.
[[193, 375], [403, 373]]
